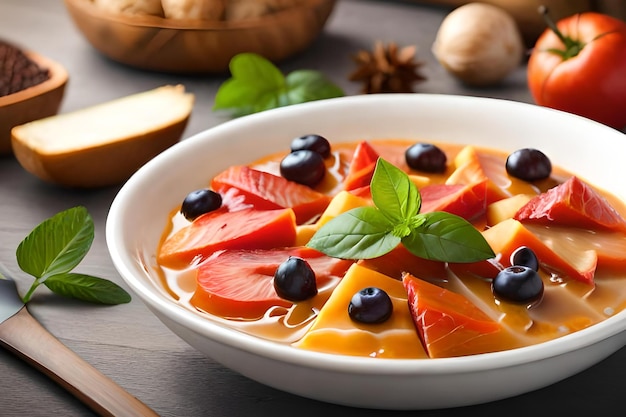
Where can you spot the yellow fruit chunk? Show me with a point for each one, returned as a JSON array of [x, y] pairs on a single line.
[[419, 180], [510, 234], [106, 143], [335, 332], [341, 203], [609, 246], [506, 208], [474, 165], [304, 233]]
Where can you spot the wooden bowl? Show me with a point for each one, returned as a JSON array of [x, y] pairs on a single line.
[[197, 46], [33, 103]]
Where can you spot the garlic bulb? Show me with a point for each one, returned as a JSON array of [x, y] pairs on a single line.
[[479, 43]]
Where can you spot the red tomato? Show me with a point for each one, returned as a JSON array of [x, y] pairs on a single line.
[[588, 76]]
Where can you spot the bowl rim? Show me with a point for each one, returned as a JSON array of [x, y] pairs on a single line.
[[235, 339], [58, 77], [149, 21]]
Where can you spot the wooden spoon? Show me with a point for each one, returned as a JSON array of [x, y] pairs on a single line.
[[22, 334]]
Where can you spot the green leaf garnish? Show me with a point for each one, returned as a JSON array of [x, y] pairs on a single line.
[[360, 233], [448, 238], [370, 232], [87, 288], [54, 248], [257, 85]]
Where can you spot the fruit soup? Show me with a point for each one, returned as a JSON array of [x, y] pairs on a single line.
[[240, 252]]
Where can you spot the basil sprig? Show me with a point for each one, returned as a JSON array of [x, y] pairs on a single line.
[[257, 85], [54, 248], [370, 232]]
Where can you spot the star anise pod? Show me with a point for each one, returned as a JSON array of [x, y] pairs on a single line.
[[387, 69]]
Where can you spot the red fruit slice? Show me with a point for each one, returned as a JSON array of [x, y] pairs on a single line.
[[467, 201], [572, 203], [395, 263], [244, 229], [448, 323], [363, 192], [239, 283], [362, 167], [265, 191]]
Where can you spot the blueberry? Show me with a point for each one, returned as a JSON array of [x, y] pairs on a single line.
[[199, 202], [294, 280], [315, 143], [519, 284], [304, 167], [529, 165], [524, 256], [426, 157], [370, 305]]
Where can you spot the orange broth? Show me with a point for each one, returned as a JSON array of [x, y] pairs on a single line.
[[567, 305]]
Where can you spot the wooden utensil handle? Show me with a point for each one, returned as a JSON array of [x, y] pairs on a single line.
[[26, 337]]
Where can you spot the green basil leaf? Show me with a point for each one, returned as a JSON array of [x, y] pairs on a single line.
[[308, 85], [360, 233], [448, 238], [251, 68], [87, 288], [393, 192], [57, 244], [256, 85]]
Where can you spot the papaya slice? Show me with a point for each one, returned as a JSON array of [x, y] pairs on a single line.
[[572, 203], [238, 284], [361, 167], [448, 323], [266, 191], [610, 247], [340, 203], [473, 165], [506, 236], [395, 263], [506, 208], [213, 231], [467, 201]]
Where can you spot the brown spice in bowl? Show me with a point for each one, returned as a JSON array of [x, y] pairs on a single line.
[[17, 71]]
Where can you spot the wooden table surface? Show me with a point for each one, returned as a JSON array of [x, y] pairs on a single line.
[[126, 342]]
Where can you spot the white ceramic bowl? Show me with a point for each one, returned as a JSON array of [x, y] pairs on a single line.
[[140, 211]]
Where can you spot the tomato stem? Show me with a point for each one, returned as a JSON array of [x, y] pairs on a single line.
[[572, 47]]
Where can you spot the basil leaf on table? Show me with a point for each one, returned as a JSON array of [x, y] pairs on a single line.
[[370, 232], [87, 288], [256, 84], [54, 248], [56, 245]]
